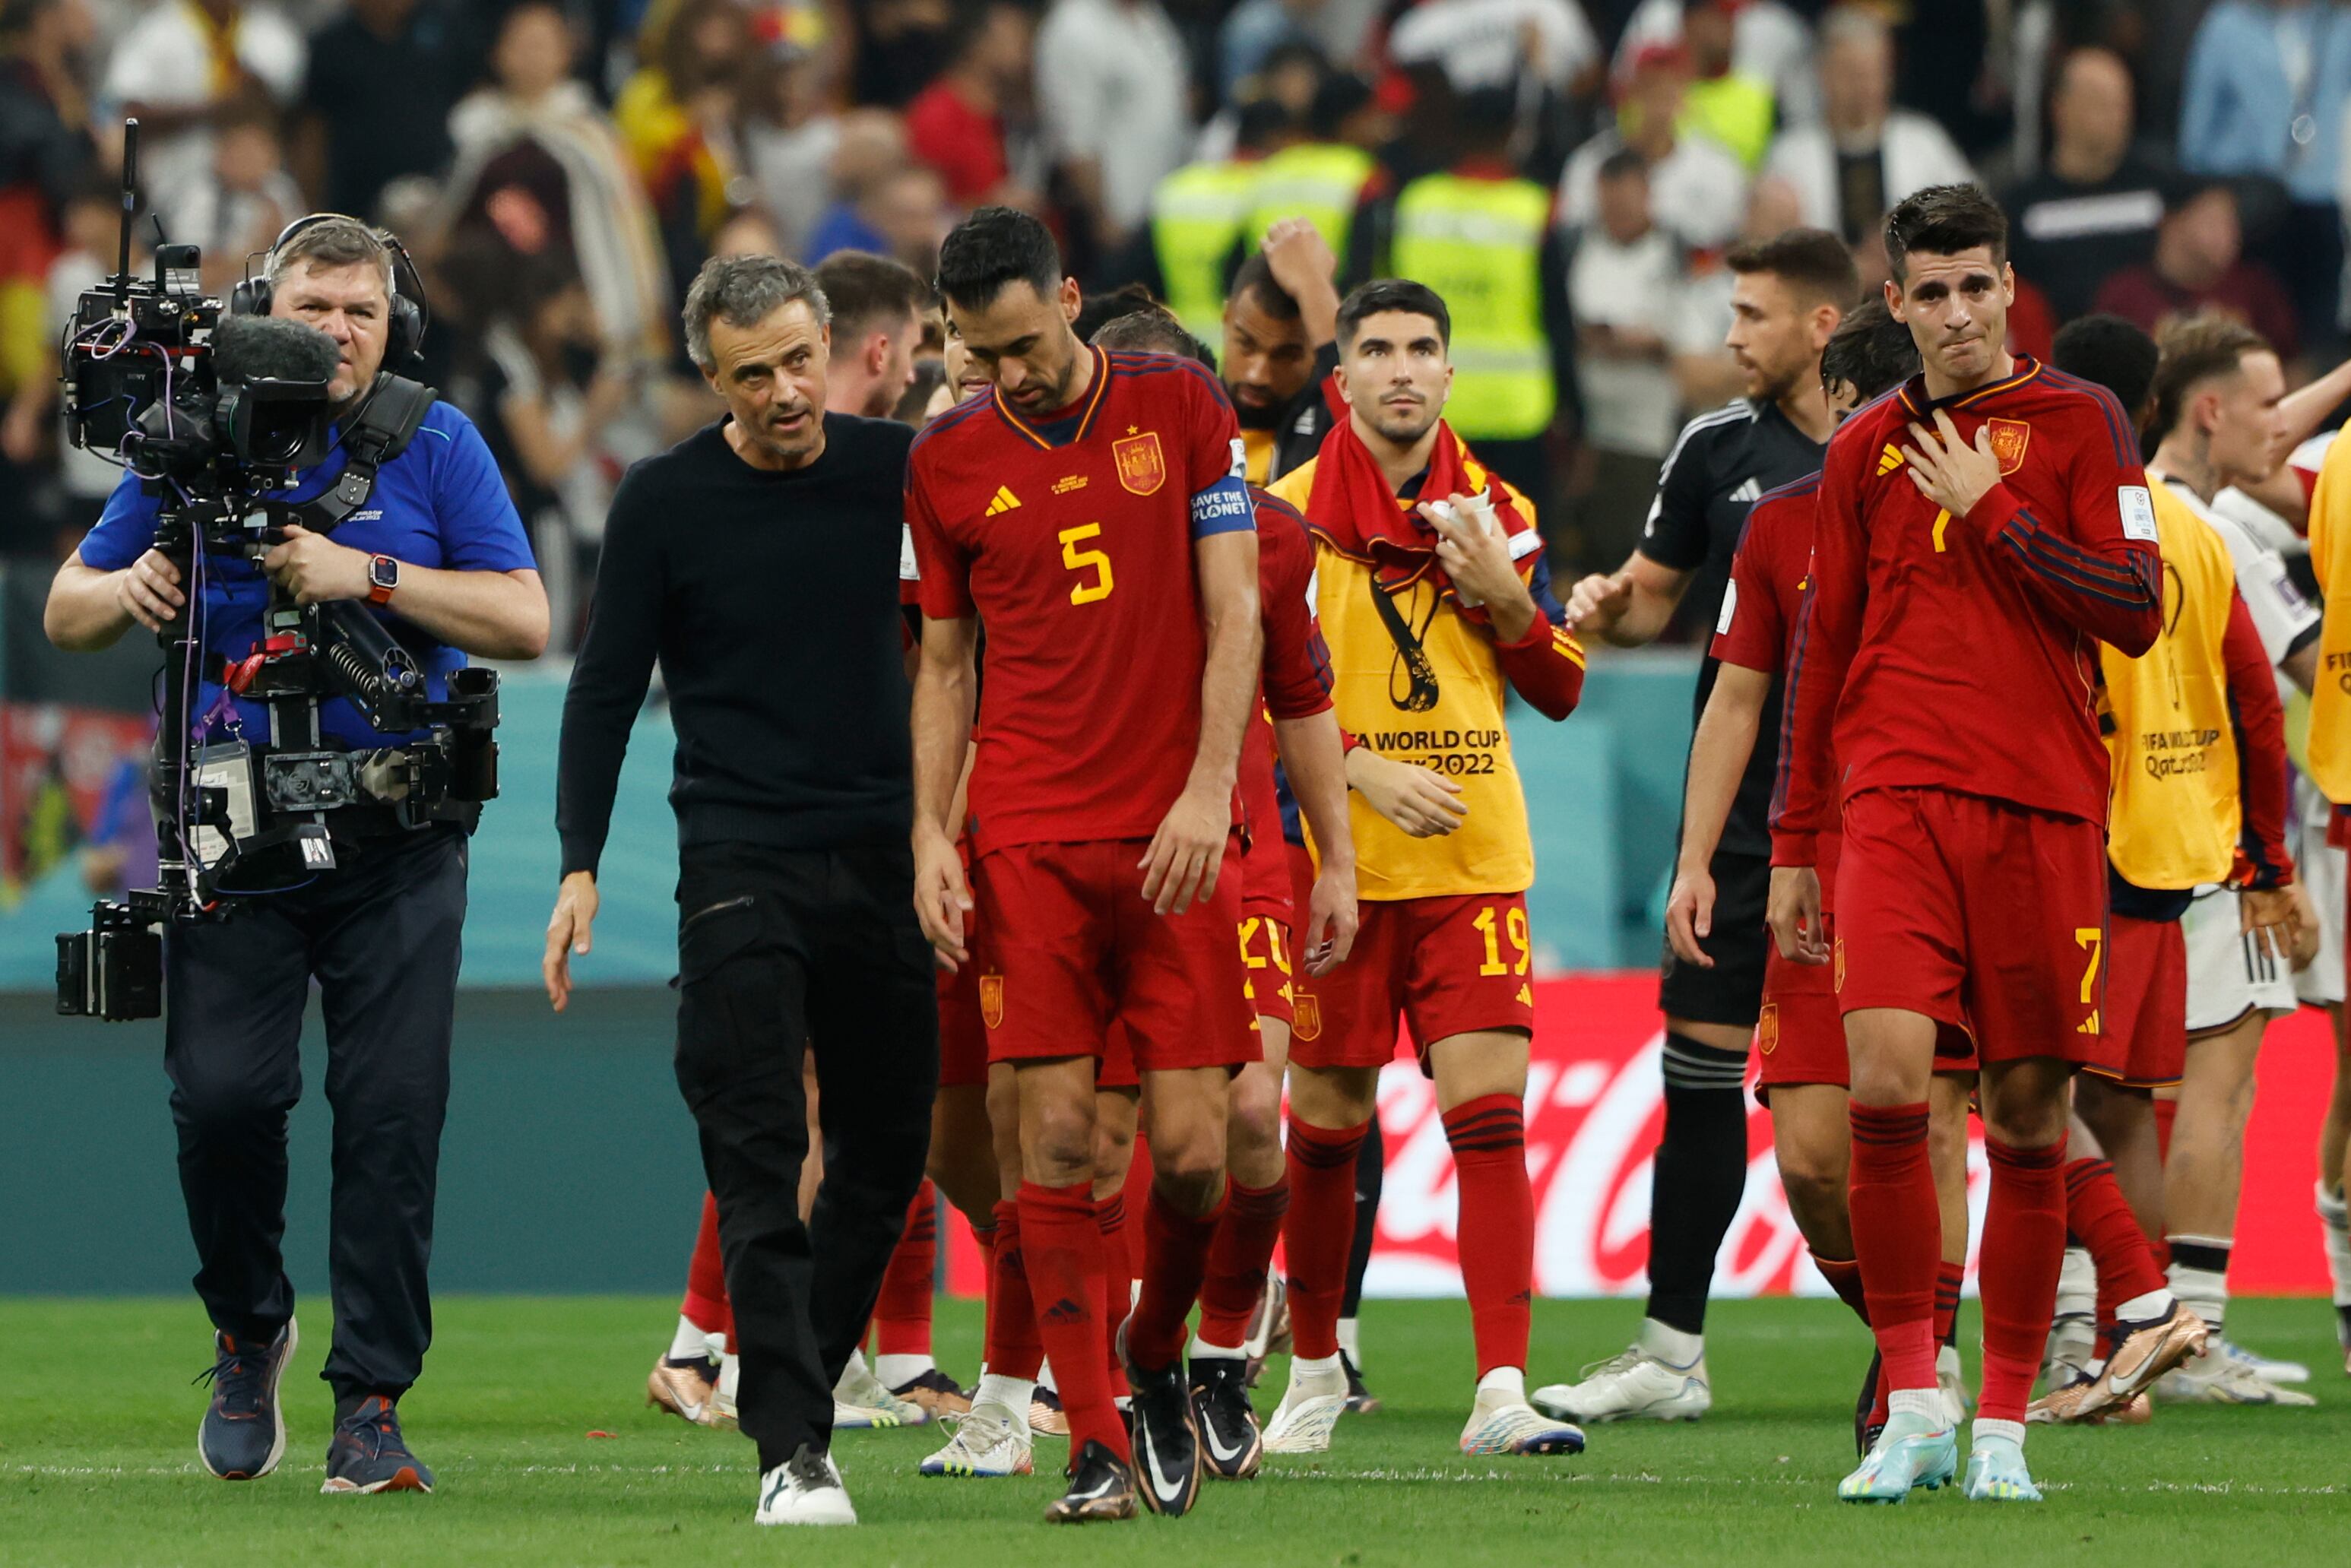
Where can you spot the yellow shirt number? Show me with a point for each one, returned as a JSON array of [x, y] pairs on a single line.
[[1078, 559]]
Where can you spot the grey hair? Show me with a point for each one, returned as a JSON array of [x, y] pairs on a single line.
[[334, 241], [745, 290]]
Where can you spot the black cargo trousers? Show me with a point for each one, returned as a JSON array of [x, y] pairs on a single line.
[[781, 951]]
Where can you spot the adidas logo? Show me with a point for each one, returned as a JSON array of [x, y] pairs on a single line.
[[1005, 501], [1064, 1311], [1888, 460], [1751, 491]]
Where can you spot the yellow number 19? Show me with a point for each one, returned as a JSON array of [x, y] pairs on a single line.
[[1078, 559]]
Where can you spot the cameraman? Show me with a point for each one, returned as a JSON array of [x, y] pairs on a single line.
[[437, 546], [758, 562]]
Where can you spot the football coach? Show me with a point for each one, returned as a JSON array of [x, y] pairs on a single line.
[[758, 562]]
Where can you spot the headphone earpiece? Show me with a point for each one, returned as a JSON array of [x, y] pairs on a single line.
[[404, 329]]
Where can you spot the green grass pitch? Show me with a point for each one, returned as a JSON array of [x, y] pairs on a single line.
[[98, 1461]]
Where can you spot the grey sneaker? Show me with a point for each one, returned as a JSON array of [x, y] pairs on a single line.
[[244, 1431]]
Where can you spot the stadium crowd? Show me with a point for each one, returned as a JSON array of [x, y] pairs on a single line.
[[560, 168]]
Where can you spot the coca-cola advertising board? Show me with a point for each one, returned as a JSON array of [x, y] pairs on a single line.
[[1595, 1103]]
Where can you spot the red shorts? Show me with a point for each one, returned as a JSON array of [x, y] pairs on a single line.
[[1450, 965], [1264, 954], [1987, 918], [962, 1037], [1799, 1035], [1266, 885], [2145, 1009], [1068, 945]]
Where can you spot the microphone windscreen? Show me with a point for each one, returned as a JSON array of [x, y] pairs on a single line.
[[271, 348]]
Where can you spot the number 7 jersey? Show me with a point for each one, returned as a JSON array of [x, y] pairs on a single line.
[[1070, 539]]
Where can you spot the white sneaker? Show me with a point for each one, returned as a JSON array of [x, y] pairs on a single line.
[[1951, 1379], [1503, 1425], [989, 1441], [721, 1412], [1633, 1385], [804, 1490], [2263, 1367], [859, 1400], [1317, 1396], [2216, 1378]]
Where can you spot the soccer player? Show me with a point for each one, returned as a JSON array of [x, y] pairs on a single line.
[[2184, 721], [1296, 722], [1093, 513], [1976, 535], [2218, 391], [1433, 594], [1798, 1035], [1787, 298]]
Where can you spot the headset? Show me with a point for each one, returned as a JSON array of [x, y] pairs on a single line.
[[410, 315]]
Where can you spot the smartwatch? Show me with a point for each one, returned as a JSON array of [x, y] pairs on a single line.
[[384, 576]]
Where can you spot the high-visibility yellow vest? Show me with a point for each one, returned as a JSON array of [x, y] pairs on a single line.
[[1479, 242], [1321, 180], [1196, 215], [1733, 110], [2175, 814], [2330, 693]]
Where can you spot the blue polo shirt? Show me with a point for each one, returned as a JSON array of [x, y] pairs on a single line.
[[441, 504]]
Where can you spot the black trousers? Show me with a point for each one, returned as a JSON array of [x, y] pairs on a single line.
[[781, 951], [381, 934]]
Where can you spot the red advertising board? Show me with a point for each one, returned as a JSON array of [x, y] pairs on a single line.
[[1595, 1105]]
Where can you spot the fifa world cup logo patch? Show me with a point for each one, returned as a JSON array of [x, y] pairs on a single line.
[[991, 1000], [2008, 438], [1308, 1022], [1836, 966], [1767, 1028], [1141, 468]]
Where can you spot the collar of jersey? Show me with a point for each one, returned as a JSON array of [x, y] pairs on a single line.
[[1915, 397], [1040, 434]]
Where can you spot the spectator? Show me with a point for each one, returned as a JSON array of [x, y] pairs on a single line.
[[2094, 210], [44, 124], [957, 125], [878, 307], [1697, 191], [532, 102], [547, 392], [2199, 266], [1338, 30], [1490, 43], [1111, 80], [1723, 101], [2266, 91], [1769, 42], [791, 136], [31, 428], [678, 114], [236, 210], [1637, 321], [183, 66], [902, 45], [383, 77], [904, 214], [1847, 171]]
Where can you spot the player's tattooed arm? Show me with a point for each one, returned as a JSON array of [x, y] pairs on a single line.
[[946, 689], [1185, 854], [1725, 739]]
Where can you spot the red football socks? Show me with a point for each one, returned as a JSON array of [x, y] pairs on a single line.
[[902, 1313], [1239, 1260], [1175, 1259], [2024, 1248], [1012, 1346], [1497, 1225], [706, 1305], [2098, 1215], [1117, 1285], [1897, 1237], [1062, 1239], [1320, 1230], [1844, 1275]]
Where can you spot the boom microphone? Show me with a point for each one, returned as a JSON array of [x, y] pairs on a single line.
[[248, 349]]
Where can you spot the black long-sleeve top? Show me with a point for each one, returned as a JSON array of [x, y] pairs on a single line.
[[771, 601]]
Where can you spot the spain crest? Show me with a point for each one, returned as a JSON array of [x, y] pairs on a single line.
[[2009, 437], [991, 1000], [1767, 1028], [1141, 468], [1307, 1021]]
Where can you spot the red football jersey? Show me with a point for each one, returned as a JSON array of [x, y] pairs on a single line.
[[1764, 606], [1296, 684], [1070, 539], [1961, 653]]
